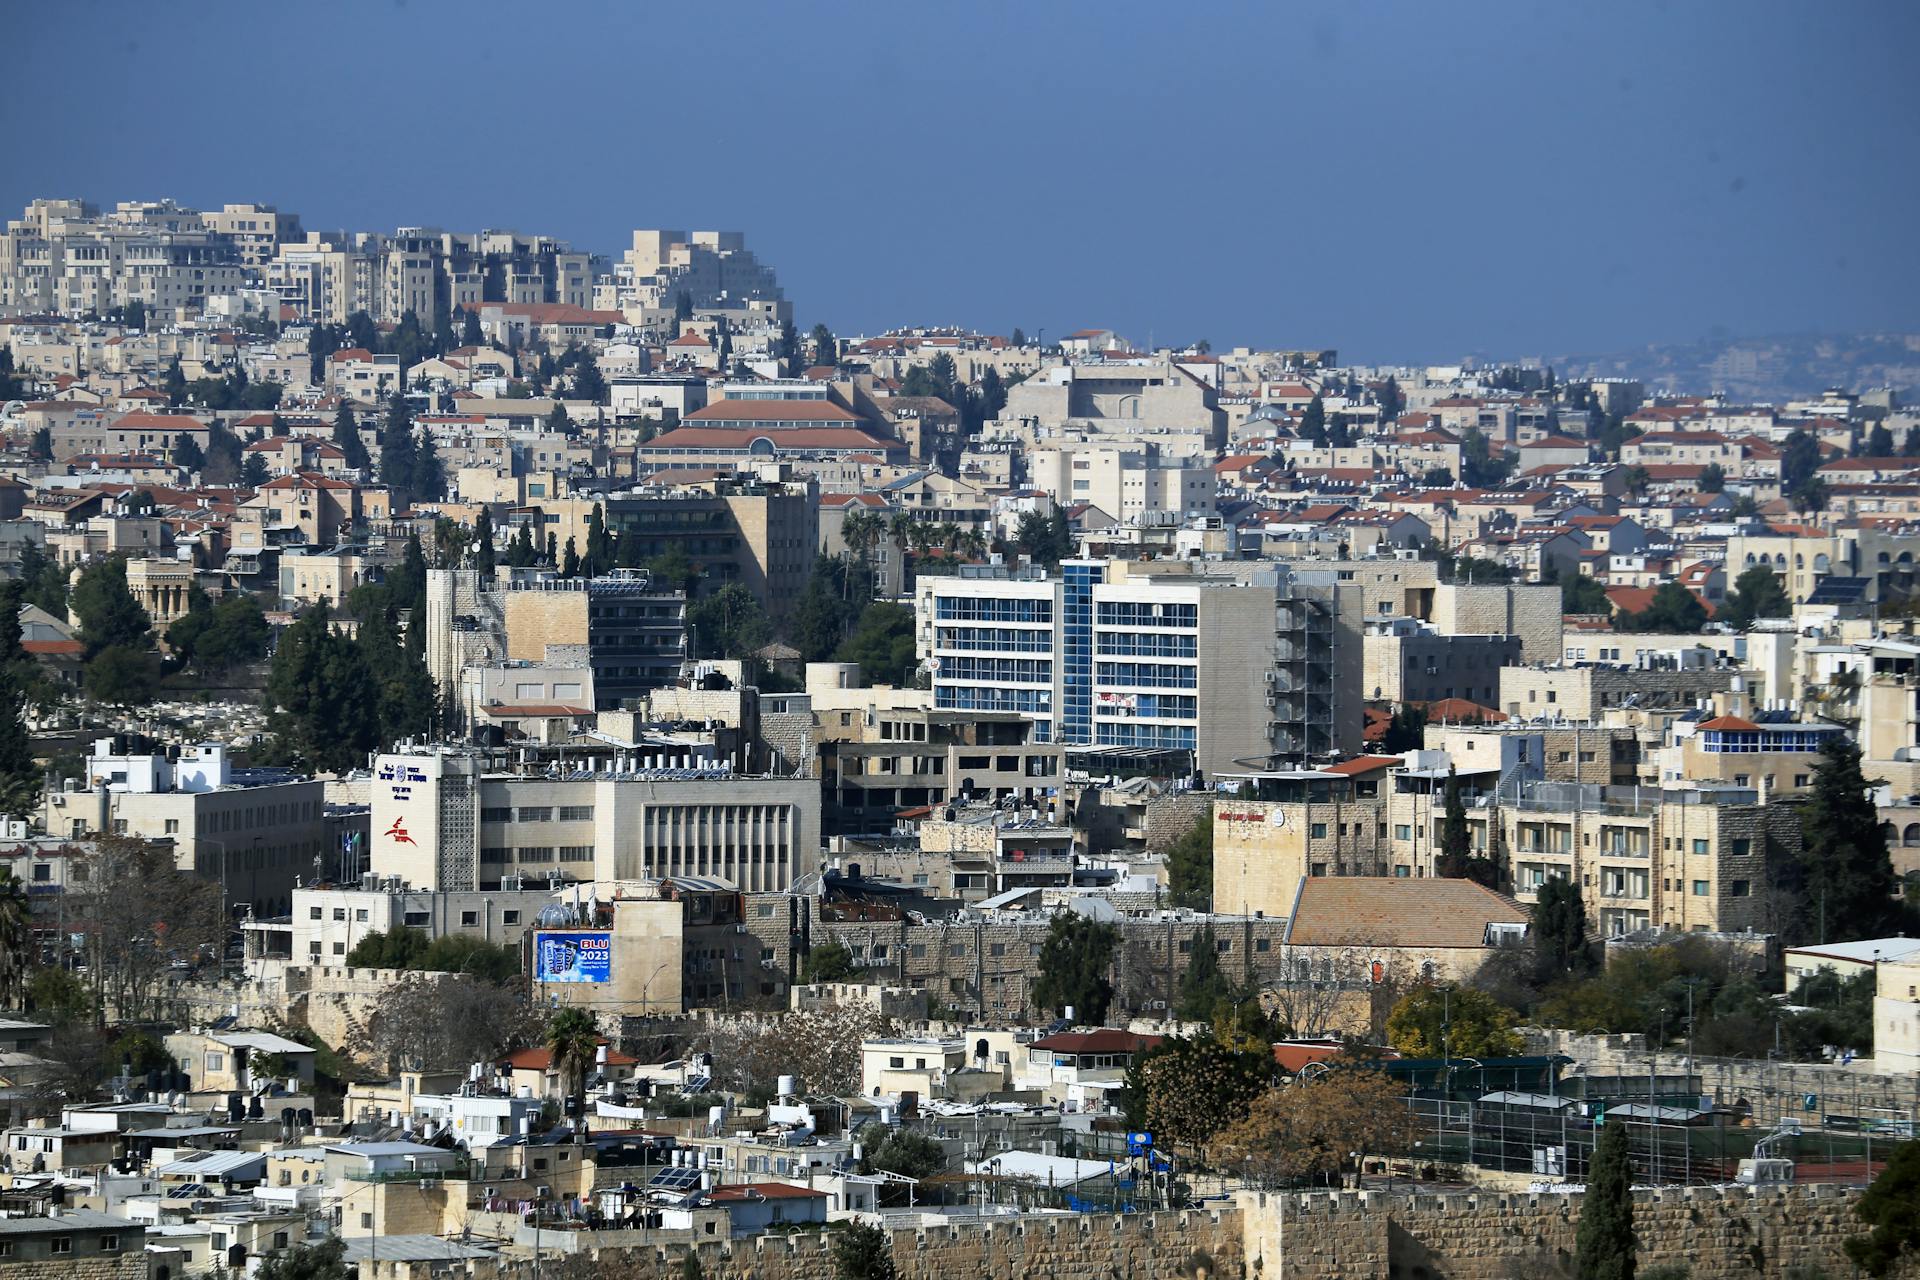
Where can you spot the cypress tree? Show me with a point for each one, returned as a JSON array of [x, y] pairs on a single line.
[[347, 436], [1603, 1242], [1456, 847], [483, 544], [1845, 876], [398, 452]]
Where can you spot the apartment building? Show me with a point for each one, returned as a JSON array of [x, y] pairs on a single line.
[[252, 831], [713, 269], [443, 820], [66, 257], [1129, 483], [873, 765], [1130, 399], [631, 636], [1230, 669], [1408, 661], [327, 276], [1584, 692], [324, 925]]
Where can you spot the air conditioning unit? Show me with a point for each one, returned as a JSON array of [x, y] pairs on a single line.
[[1272, 701], [769, 964]]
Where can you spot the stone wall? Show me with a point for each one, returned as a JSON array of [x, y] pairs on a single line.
[[1028, 1247], [1718, 1233]]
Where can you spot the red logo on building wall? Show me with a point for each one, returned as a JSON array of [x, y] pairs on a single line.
[[399, 833]]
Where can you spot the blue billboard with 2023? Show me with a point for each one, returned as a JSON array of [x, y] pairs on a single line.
[[573, 957]]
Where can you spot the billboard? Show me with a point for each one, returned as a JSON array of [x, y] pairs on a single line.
[[573, 956]]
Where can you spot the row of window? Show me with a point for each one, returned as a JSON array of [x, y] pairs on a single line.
[[539, 813], [1128, 613], [1131, 644], [1148, 675], [998, 670], [949, 697], [993, 639], [990, 609]]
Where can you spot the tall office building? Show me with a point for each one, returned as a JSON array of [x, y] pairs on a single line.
[[1238, 670]]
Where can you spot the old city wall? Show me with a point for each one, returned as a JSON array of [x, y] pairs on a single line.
[[1717, 1233], [1062, 1247]]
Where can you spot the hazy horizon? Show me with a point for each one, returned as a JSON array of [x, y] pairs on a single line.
[[1406, 183]]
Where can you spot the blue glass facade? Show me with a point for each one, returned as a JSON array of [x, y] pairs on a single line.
[[1076, 649]]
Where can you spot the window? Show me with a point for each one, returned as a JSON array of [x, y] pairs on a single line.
[[1742, 847], [1402, 831], [1699, 888], [366, 1222], [60, 1244], [1741, 888], [315, 913], [111, 1243], [509, 917], [576, 813], [280, 1239], [1261, 944], [897, 1063], [340, 914], [468, 919], [1699, 846], [536, 813], [496, 815], [360, 915], [216, 1062], [1319, 830]]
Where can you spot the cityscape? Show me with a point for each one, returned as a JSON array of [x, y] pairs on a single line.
[[539, 752]]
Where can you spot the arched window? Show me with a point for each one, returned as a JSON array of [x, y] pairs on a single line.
[[1911, 836]]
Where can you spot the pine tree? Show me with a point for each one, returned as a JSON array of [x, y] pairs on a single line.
[[429, 473], [570, 562], [1456, 844], [347, 436], [398, 452], [825, 350], [109, 615], [1313, 423], [186, 452], [1073, 966], [588, 384], [470, 334], [1603, 1242], [253, 472], [483, 544]]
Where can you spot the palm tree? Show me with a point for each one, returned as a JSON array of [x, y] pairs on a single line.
[[15, 937], [949, 536], [973, 542], [573, 1038]]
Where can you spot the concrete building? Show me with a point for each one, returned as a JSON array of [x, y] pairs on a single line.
[[253, 831], [875, 765], [1409, 661], [1130, 483], [630, 636], [1230, 669], [443, 820]]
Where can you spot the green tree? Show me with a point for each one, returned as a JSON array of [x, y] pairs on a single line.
[[573, 1037], [398, 452], [346, 436], [1673, 608], [588, 382], [1406, 730], [429, 472], [1756, 594], [174, 383], [19, 774], [1313, 422], [325, 1260], [1190, 866], [729, 623], [1457, 859], [825, 350], [1185, 1090], [832, 600], [901, 1151], [327, 700], [1603, 1242], [1581, 594], [483, 556], [1844, 884], [40, 448], [1560, 929], [862, 1251], [213, 638], [882, 643], [673, 570], [1481, 466], [107, 612], [1456, 1021], [1713, 478], [1203, 987], [1072, 969], [16, 940], [470, 332], [186, 452], [828, 962], [1879, 442], [1799, 459], [1891, 1209]]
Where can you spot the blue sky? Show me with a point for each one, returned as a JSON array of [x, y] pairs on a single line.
[[1399, 180]]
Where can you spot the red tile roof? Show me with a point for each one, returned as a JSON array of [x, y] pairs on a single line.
[[1363, 764], [1730, 724], [1105, 1040]]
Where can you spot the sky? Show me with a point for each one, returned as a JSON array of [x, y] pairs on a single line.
[[1404, 181]]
